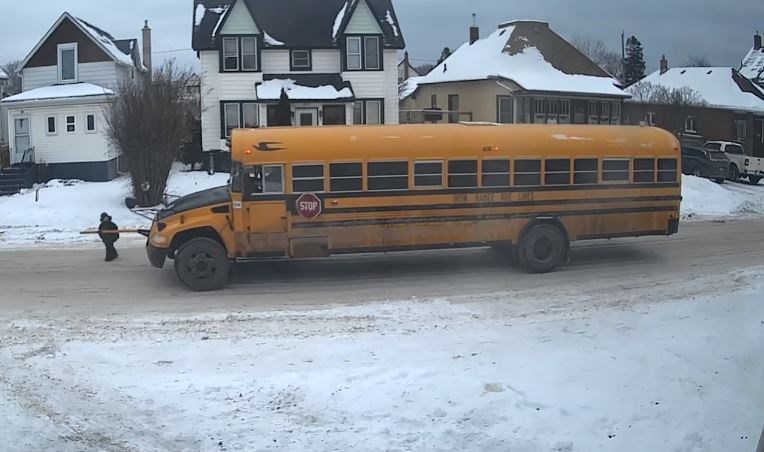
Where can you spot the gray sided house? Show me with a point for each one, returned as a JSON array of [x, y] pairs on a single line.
[[57, 123], [523, 72], [334, 59], [753, 63]]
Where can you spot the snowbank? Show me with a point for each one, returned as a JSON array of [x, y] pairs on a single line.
[[705, 199], [66, 207]]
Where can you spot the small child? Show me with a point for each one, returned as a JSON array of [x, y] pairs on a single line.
[[108, 238]]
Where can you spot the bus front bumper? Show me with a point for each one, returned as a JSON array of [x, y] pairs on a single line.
[[157, 256]]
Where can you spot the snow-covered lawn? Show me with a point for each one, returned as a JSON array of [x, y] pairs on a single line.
[[67, 207], [489, 373]]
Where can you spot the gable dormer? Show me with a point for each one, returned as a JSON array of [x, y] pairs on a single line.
[[238, 39]]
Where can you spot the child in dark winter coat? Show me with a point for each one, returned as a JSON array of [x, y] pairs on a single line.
[[108, 238]]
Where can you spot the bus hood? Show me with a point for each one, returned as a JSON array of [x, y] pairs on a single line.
[[209, 197]]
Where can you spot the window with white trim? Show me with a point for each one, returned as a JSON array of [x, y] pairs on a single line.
[[368, 112], [741, 129], [249, 53], [71, 124], [52, 127], [363, 53], [249, 114], [353, 53], [230, 54], [67, 63], [90, 123], [231, 118], [689, 124], [650, 118], [300, 60]]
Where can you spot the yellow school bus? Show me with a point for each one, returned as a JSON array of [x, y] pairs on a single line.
[[314, 192]]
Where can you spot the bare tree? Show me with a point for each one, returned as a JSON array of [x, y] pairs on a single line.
[[13, 71], [697, 61], [649, 93], [424, 69], [598, 51], [148, 122]]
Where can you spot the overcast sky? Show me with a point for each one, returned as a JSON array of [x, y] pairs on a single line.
[[721, 30]]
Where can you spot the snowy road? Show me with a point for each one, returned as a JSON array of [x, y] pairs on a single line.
[[653, 344]]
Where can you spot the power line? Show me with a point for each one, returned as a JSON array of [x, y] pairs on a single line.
[[171, 51]]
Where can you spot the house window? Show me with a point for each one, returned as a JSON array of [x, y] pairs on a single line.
[[67, 63], [742, 133], [368, 112], [564, 111], [363, 53], [90, 123], [231, 118], [650, 118], [689, 124], [615, 113], [300, 60], [249, 54], [540, 112], [51, 120], [594, 112], [249, 115], [236, 115], [353, 52], [231, 54], [505, 113], [71, 124], [434, 101], [605, 112]]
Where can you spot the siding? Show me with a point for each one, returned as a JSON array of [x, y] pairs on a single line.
[[324, 61], [379, 84], [239, 21], [65, 147], [103, 74], [363, 21], [478, 97]]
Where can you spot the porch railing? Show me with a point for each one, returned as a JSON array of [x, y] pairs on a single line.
[[434, 116]]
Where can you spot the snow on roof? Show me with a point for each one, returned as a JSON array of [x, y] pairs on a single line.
[[199, 14], [3, 75], [223, 14], [271, 90], [73, 90], [753, 65], [338, 20], [715, 85], [270, 40], [408, 87], [487, 59], [391, 21], [106, 41]]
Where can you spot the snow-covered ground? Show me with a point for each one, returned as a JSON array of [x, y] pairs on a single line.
[[65, 208], [661, 371]]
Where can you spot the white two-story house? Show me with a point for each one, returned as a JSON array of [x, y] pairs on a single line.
[[334, 59], [58, 120]]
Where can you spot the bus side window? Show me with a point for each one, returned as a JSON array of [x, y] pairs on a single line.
[[585, 172], [615, 170], [557, 172], [495, 173], [428, 174], [265, 179], [667, 169], [308, 178], [527, 173], [462, 174], [644, 171], [346, 177], [388, 176]]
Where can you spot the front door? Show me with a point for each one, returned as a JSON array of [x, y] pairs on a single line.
[[265, 208], [306, 117], [22, 139]]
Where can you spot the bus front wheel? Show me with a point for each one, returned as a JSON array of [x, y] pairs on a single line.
[[542, 248], [202, 265]]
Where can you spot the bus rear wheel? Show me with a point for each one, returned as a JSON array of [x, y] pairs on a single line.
[[202, 265], [542, 248]]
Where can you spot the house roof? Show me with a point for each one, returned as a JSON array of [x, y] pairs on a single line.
[[305, 87], [294, 23], [3, 75], [530, 54], [720, 87], [753, 65], [57, 92], [124, 51]]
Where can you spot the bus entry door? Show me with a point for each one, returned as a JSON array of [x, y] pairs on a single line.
[[265, 210]]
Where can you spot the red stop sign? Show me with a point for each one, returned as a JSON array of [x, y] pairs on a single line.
[[309, 206]]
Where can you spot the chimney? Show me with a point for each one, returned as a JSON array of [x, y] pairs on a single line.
[[757, 41], [474, 30], [147, 47], [406, 66], [664, 65]]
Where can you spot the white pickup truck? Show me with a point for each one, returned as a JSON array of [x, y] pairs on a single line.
[[741, 165]]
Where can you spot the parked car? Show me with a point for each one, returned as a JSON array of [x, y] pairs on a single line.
[[741, 165], [701, 162]]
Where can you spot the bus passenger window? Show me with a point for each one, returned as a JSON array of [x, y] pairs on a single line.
[[644, 171], [527, 173], [308, 178], [428, 174], [667, 170], [462, 174], [265, 179], [495, 173], [557, 172], [585, 172], [384, 176], [615, 170], [346, 177]]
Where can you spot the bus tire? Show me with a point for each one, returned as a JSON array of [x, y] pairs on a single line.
[[542, 248], [202, 265]]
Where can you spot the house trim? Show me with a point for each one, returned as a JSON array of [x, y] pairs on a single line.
[[60, 48], [380, 50]]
